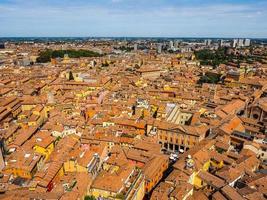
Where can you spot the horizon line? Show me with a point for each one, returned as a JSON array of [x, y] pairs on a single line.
[[168, 37]]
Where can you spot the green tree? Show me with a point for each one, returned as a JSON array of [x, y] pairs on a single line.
[[220, 56], [120, 196], [209, 78], [45, 56], [91, 197]]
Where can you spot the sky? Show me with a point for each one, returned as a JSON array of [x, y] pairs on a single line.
[[133, 18]]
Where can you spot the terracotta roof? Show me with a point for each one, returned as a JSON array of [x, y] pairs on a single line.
[[211, 179], [231, 193]]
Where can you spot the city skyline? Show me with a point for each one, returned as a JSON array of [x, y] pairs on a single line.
[[142, 18], [133, 99]]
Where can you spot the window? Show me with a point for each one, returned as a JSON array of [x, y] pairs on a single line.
[[255, 116]]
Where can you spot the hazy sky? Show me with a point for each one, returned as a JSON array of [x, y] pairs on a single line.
[[171, 18]]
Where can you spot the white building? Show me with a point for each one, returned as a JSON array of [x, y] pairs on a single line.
[[234, 43], [207, 42], [171, 45], [240, 43], [247, 43]]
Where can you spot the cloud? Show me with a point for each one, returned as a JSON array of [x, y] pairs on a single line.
[[132, 18]]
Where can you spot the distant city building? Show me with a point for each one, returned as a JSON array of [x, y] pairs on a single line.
[[2, 45], [221, 43], [207, 42], [186, 49], [135, 47], [247, 43], [159, 48], [176, 44], [63, 47], [240, 43], [171, 45], [234, 43], [24, 62]]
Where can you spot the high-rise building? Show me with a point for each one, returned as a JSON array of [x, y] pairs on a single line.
[[176, 44], [171, 44], [240, 43], [135, 47], [207, 42], [221, 43], [159, 48], [234, 43], [2, 45], [247, 43]]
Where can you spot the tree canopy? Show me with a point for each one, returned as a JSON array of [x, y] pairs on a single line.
[[124, 48], [89, 198], [45, 56], [214, 58], [221, 56], [209, 78]]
